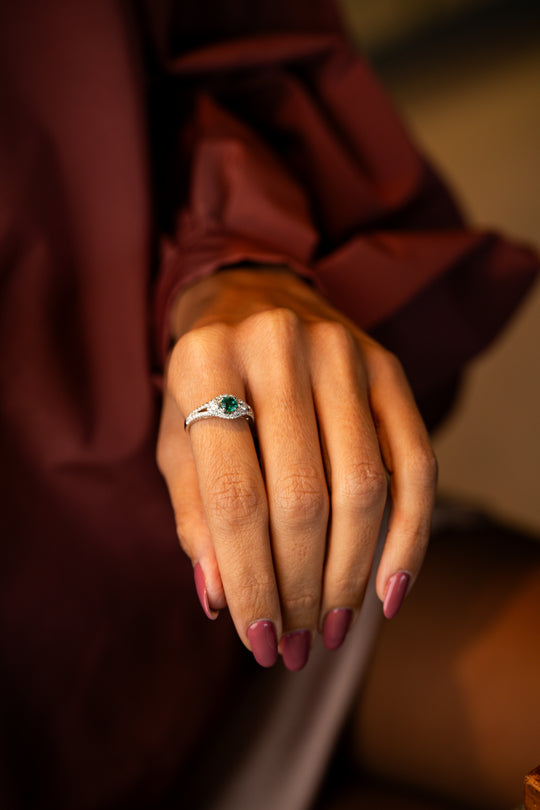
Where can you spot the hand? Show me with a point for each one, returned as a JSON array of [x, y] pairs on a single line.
[[285, 535]]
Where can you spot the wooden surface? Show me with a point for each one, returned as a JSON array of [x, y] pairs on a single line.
[[532, 790]]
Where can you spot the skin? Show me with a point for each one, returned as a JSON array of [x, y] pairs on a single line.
[[288, 533], [449, 713]]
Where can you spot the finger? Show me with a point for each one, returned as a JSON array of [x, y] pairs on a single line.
[[355, 472], [175, 461], [411, 463], [232, 490], [294, 474]]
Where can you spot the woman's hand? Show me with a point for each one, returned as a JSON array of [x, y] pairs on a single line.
[[285, 534]]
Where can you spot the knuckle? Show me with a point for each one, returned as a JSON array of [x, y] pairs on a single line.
[[196, 348], [280, 325], [301, 497], [334, 337], [363, 487], [424, 467], [188, 518], [254, 586], [236, 500], [389, 362], [306, 602], [253, 592], [164, 455], [383, 363], [349, 588], [185, 532]]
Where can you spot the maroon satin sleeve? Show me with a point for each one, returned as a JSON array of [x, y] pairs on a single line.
[[291, 153]]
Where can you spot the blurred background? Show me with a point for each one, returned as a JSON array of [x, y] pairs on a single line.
[[466, 76]]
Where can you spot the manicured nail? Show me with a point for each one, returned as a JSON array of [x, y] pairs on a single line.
[[263, 640], [335, 628], [295, 648], [395, 593], [202, 593]]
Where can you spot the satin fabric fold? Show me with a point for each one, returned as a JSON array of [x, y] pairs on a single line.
[[296, 157]]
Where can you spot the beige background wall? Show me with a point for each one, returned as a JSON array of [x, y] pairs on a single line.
[[473, 101]]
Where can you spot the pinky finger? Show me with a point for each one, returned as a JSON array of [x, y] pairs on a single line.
[[411, 462]]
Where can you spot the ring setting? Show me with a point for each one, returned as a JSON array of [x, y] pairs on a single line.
[[224, 406]]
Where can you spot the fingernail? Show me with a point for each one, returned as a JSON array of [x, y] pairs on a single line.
[[395, 593], [335, 628], [263, 641], [295, 648], [202, 593]]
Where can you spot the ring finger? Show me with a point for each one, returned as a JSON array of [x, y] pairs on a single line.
[[295, 481]]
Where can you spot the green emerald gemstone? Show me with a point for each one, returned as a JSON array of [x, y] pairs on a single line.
[[228, 404]]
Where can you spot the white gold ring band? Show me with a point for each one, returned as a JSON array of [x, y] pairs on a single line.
[[224, 406]]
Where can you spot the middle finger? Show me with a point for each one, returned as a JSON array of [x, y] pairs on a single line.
[[296, 488]]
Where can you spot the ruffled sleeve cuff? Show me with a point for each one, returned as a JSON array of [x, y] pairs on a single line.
[[296, 157]]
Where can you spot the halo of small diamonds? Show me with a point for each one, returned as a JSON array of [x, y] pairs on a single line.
[[224, 406]]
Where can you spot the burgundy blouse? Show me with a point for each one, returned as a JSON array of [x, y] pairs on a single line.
[[143, 146]]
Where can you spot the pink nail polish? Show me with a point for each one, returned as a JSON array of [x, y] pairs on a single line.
[[295, 649], [202, 593], [263, 640], [335, 628], [395, 593]]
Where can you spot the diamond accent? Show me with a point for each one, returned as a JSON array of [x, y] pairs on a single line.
[[224, 406]]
